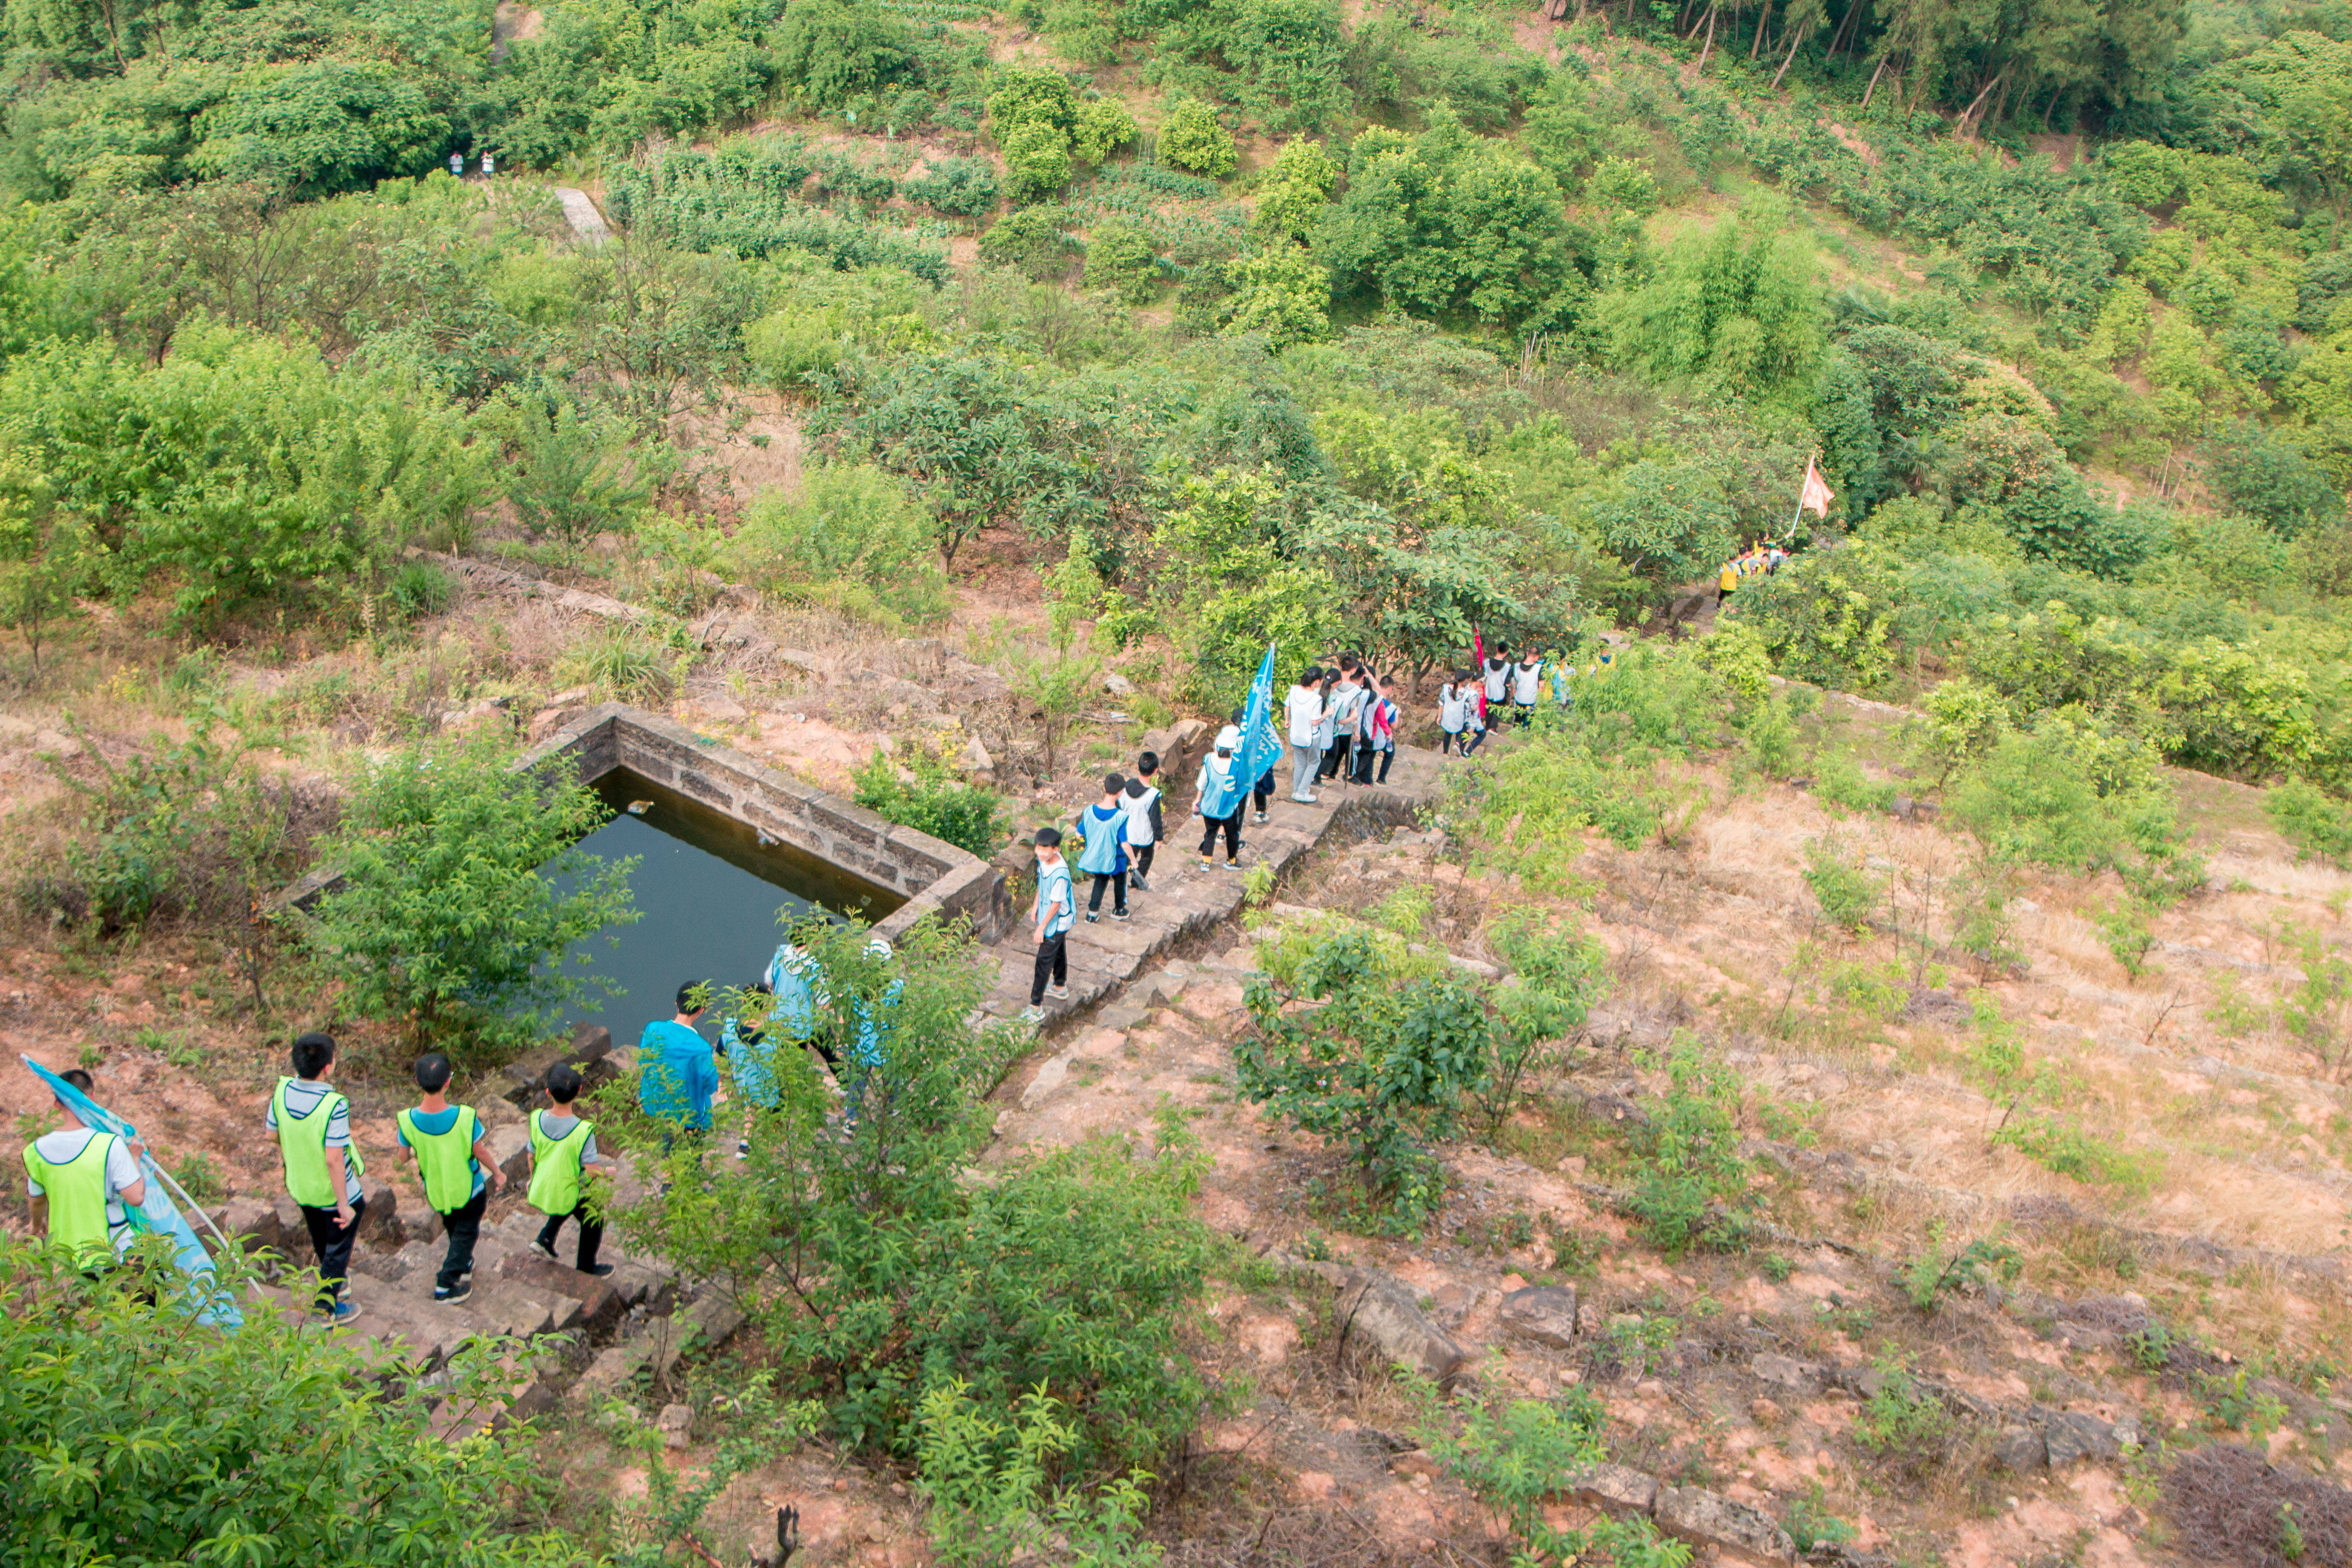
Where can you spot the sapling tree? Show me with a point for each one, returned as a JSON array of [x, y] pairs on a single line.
[[1346, 1050], [461, 893]]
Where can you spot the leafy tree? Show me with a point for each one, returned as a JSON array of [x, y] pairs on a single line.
[[1447, 222], [1291, 197], [2268, 477], [319, 126], [242, 468], [1281, 293], [1036, 160], [2305, 81], [1738, 307], [830, 52], [1192, 138], [46, 558], [459, 895], [275, 1440], [573, 476], [1102, 127], [851, 538], [1668, 522]]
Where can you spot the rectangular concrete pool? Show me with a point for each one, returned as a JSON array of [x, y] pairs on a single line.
[[713, 900]]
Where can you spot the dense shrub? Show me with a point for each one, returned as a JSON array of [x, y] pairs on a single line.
[[1122, 258], [1192, 138], [931, 799], [1036, 240], [964, 187], [880, 1274], [851, 538], [828, 51]]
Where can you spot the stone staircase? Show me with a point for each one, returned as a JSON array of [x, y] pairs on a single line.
[[1184, 900], [609, 1326]]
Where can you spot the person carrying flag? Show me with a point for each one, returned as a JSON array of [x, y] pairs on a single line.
[[84, 1184]]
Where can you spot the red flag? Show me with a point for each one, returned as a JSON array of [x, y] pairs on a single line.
[[1817, 495]]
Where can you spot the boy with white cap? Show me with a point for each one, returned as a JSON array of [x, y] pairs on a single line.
[[1209, 789]]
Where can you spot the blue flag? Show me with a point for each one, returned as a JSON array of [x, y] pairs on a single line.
[[206, 1300], [1260, 744]]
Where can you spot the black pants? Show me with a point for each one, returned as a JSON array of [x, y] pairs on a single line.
[[333, 1243], [1445, 738], [1264, 791], [1233, 829], [1473, 739], [1335, 760], [463, 1226], [1388, 755], [1117, 880], [1142, 866], [1365, 753], [1052, 964], [591, 1236]]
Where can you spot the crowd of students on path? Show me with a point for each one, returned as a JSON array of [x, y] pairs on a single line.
[[1763, 560], [83, 1182]]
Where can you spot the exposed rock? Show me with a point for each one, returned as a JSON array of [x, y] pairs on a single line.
[[1374, 1310], [1708, 1519], [676, 1424], [2070, 1436], [2020, 1448], [974, 758], [2087, 1336], [1618, 1489], [250, 1224], [1544, 1314], [1117, 685], [1764, 1412], [382, 1208]]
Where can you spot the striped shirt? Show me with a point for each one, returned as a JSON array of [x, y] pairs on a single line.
[[303, 1097]]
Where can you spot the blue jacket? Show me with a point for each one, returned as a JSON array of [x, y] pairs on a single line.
[[677, 1073]]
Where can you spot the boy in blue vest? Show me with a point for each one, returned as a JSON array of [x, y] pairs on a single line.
[[1102, 850], [313, 1124], [1051, 917], [563, 1150], [677, 1070], [459, 1173]]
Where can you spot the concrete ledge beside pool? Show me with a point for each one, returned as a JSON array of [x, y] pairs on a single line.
[[931, 875]]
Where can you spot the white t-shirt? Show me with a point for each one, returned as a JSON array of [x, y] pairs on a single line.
[[1498, 677], [65, 1146], [1303, 710], [1137, 809], [1526, 684], [1453, 707]]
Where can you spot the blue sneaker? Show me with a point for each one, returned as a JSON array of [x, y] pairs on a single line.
[[344, 1313]]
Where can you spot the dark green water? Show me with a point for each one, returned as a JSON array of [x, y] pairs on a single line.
[[714, 901]]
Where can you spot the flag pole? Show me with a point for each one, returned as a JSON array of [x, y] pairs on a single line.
[[1799, 515]]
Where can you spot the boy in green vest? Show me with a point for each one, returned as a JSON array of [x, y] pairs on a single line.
[[459, 1173], [313, 1124], [83, 1185], [561, 1148]]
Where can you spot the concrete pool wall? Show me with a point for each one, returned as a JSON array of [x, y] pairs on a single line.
[[932, 876]]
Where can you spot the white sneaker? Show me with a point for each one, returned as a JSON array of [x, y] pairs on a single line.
[[1033, 1014], [1058, 993]]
